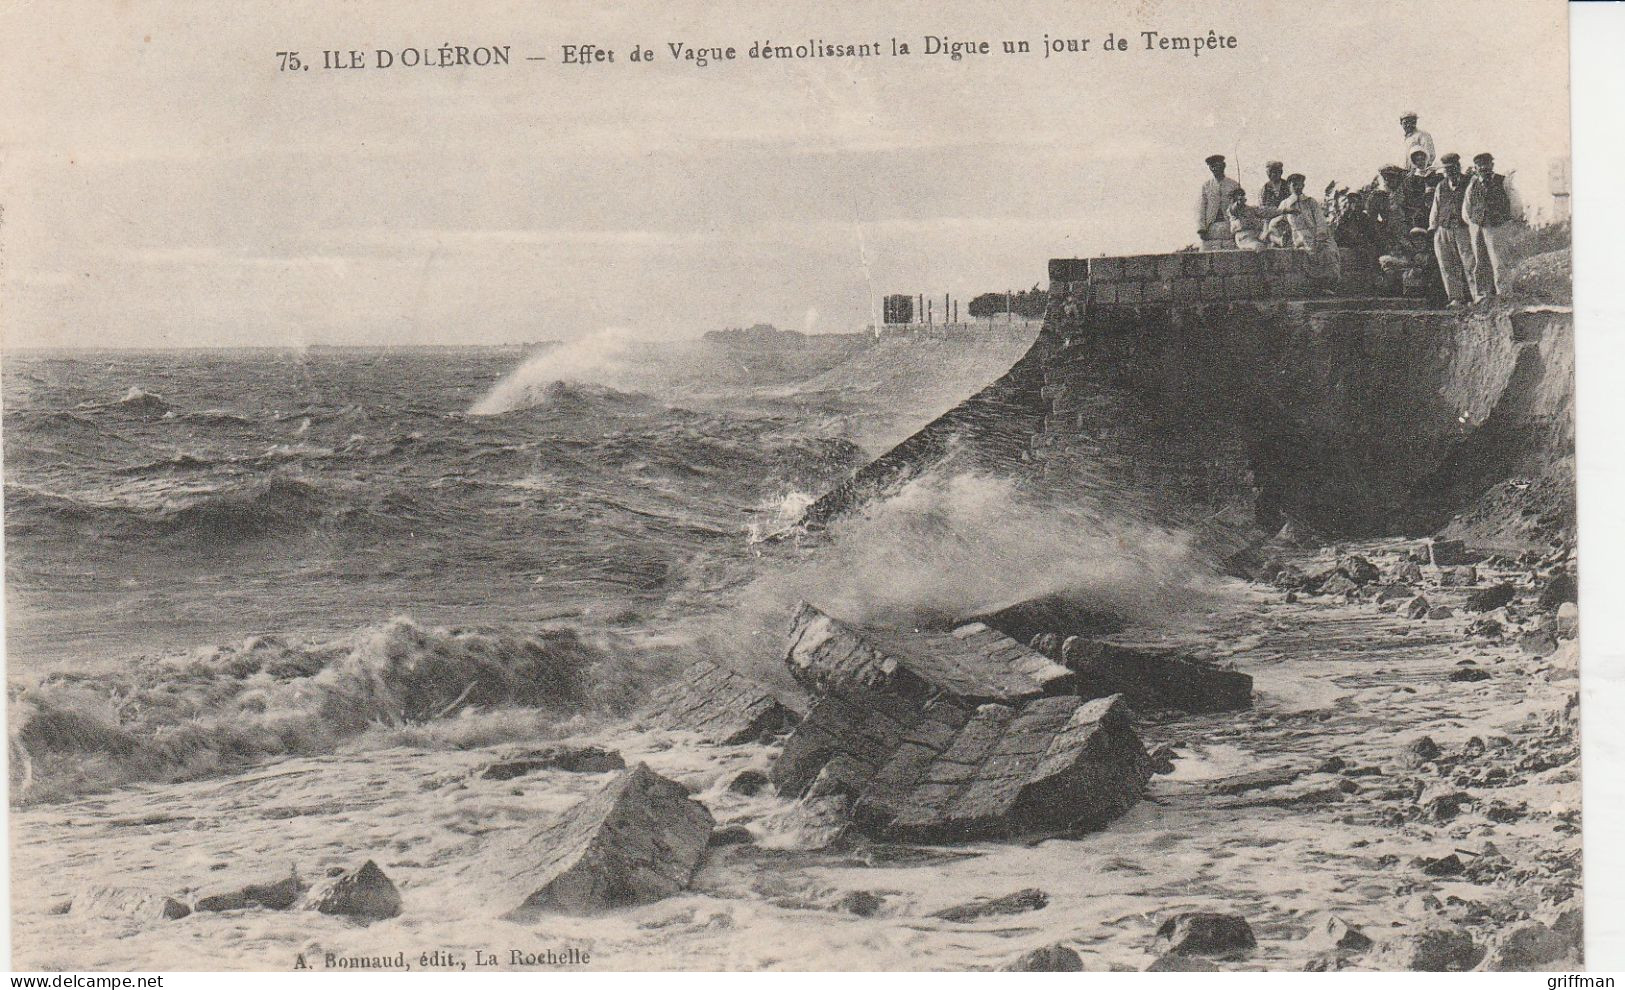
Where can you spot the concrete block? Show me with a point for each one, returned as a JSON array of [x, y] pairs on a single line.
[[1187, 289], [1130, 292], [1105, 269], [1291, 285], [1236, 263], [638, 839], [1068, 269], [1140, 266], [1245, 286], [719, 705], [1213, 287], [1242, 286], [1195, 263], [1151, 678], [1170, 266], [1106, 294], [1055, 763], [1283, 261], [1158, 290]]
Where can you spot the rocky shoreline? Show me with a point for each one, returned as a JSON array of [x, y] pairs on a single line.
[[1401, 792]]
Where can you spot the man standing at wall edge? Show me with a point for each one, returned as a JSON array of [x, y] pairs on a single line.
[[1212, 224], [1415, 138], [1451, 242], [1487, 207]]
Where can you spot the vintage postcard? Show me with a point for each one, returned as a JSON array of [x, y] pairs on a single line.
[[751, 486]]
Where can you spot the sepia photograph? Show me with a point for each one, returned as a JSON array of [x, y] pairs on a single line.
[[731, 487]]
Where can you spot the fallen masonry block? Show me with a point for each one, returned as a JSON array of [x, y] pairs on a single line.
[[847, 740], [944, 737], [721, 706], [637, 839], [974, 662], [1207, 933], [1493, 597], [1451, 553], [1027, 899], [1056, 763], [947, 772], [1051, 615], [364, 892], [558, 756], [1151, 678], [278, 895]]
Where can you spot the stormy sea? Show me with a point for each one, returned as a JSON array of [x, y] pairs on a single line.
[[211, 553], [314, 657]]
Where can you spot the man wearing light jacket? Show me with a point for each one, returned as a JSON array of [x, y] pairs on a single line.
[[1211, 222], [1415, 138]]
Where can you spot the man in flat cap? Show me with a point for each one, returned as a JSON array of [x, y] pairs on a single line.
[[1416, 190], [1276, 189], [1457, 267], [1414, 138], [1488, 206], [1249, 223], [1212, 224], [1307, 223]]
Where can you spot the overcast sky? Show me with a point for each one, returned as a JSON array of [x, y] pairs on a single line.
[[164, 184]]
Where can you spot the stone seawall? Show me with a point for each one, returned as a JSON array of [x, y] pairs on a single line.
[[1190, 276], [1352, 417]]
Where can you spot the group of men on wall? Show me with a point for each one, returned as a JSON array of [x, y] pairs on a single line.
[[1415, 224]]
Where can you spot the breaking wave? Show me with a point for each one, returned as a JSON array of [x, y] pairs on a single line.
[[268, 697], [614, 358], [950, 547]]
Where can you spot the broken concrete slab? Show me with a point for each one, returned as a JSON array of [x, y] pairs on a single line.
[[719, 704], [975, 662], [1056, 763], [853, 739], [364, 892], [904, 731], [1206, 933], [1027, 899], [277, 895], [567, 757], [1152, 679], [945, 772], [1493, 597], [1451, 553], [637, 839]]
